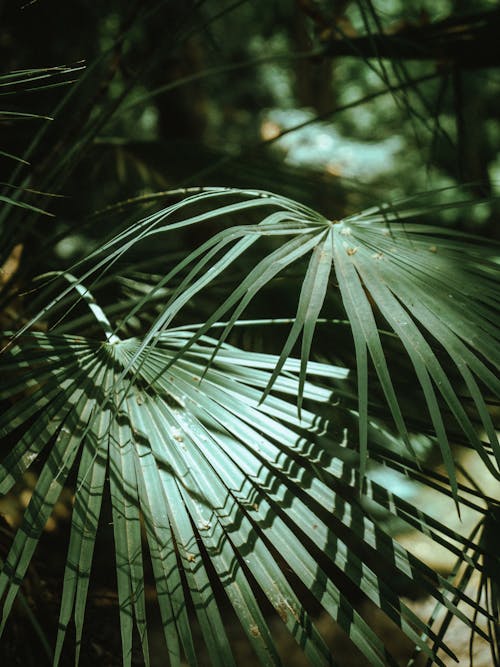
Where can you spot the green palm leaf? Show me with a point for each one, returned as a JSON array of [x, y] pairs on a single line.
[[204, 444], [383, 268], [207, 465]]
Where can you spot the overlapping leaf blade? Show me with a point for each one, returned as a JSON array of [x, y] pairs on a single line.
[[231, 475], [424, 282], [231, 481], [424, 289]]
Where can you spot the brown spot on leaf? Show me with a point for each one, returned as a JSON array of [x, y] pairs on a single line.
[[254, 631], [282, 611]]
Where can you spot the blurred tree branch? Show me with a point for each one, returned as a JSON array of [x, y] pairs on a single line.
[[466, 41]]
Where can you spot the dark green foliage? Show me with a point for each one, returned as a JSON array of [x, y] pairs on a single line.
[[236, 383]]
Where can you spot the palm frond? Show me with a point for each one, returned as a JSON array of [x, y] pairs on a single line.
[[202, 441], [215, 474], [384, 268], [240, 477]]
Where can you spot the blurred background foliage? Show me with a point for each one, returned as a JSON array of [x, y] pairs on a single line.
[[339, 104], [199, 93]]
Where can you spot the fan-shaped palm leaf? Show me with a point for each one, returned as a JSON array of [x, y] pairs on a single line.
[[428, 285], [207, 465], [202, 440]]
